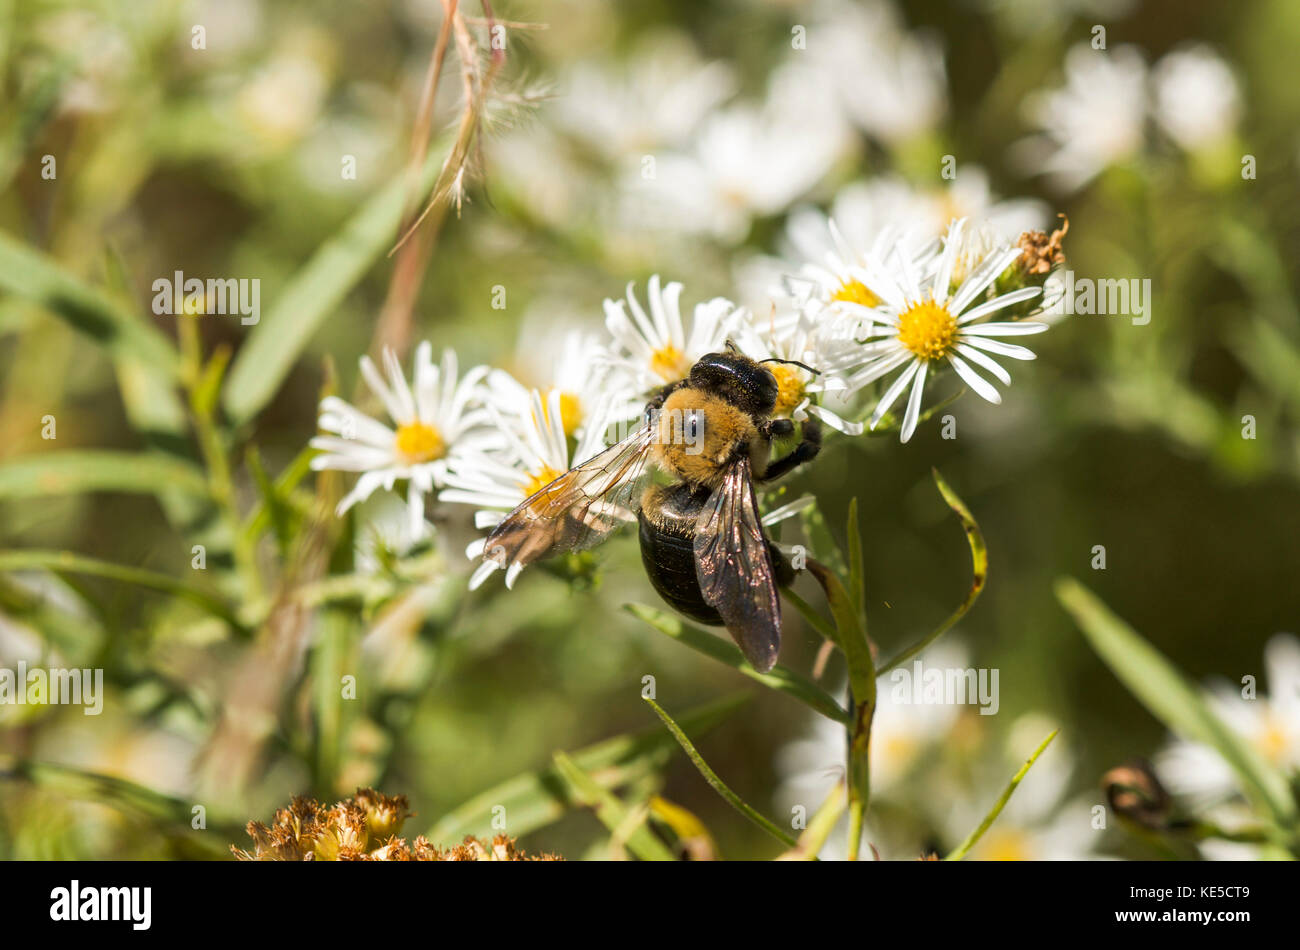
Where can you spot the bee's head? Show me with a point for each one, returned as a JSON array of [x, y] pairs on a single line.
[[732, 376]]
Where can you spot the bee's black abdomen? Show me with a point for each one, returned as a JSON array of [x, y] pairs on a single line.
[[668, 550]]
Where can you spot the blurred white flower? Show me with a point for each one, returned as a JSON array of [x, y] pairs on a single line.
[[1270, 723], [434, 417], [1196, 98], [575, 363], [890, 82], [656, 349], [1039, 823], [746, 161], [654, 98], [921, 322], [1097, 119], [904, 736], [283, 98]]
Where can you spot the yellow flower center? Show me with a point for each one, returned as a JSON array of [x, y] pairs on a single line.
[[669, 363], [1272, 742], [539, 480], [789, 388], [1006, 844], [855, 291], [570, 412], [928, 330], [418, 442]]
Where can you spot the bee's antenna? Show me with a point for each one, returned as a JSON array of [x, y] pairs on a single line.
[[775, 359]]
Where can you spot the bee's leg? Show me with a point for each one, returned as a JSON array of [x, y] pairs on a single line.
[[805, 451]]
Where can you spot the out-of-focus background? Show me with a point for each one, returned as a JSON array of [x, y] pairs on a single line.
[[1174, 150]]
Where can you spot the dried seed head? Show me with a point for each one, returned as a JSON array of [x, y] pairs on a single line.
[[1040, 252], [361, 828]]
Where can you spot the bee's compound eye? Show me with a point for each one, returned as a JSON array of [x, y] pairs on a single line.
[[694, 425]]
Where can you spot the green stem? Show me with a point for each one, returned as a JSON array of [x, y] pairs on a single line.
[[719, 786]]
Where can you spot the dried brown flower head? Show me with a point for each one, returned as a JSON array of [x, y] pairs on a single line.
[[361, 828], [1040, 252]]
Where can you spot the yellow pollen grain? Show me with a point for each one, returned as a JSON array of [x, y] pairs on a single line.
[[789, 389], [539, 480], [419, 442], [855, 291], [928, 330], [669, 363]]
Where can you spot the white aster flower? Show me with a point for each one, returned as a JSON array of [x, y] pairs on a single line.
[[890, 82], [655, 97], [655, 349], [1039, 823], [902, 733], [433, 417], [746, 161], [1270, 723], [578, 366], [1097, 119], [1196, 98], [922, 323], [536, 453]]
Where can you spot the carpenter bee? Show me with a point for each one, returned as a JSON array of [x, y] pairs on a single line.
[[702, 538]]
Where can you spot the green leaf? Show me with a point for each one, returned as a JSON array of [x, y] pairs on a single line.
[[819, 828], [172, 814], [979, 555], [70, 471], [313, 294], [782, 679], [717, 784], [66, 561], [853, 534], [39, 278], [973, 838], [536, 799], [1172, 699], [819, 537], [627, 827]]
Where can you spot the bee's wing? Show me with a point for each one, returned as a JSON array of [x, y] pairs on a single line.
[[734, 567], [577, 510]]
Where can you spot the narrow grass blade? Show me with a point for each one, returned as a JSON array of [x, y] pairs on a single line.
[[964, 848], [66, 561], [814, 837], [979, 574], [69, 471], [42, 280], [780, 678], [719, 786], [1172, 699], [627, 826], [536, 799], [280, 337]]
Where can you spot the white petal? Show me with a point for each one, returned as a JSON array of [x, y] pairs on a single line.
[[892, 393], [1005, 329], [913, 412], [974, 380], [997, 303], [975, 356], [1000, 348], [834, 421]]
